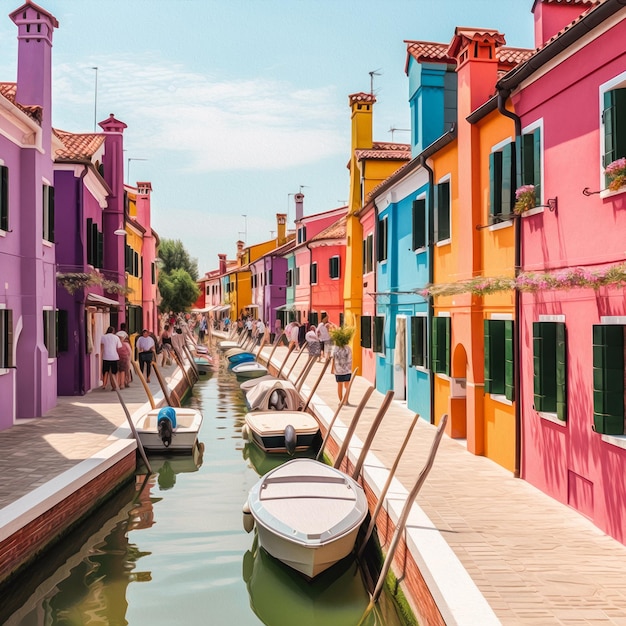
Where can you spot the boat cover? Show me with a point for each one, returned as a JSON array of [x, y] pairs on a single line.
[[274, 395]]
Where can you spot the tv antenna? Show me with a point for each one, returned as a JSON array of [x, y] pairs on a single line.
[[393, 129], [372, 74]]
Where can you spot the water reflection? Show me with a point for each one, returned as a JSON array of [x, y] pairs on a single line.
[[169, 548]]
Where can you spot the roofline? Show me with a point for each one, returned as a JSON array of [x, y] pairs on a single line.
[[594, 18], [483, 110]]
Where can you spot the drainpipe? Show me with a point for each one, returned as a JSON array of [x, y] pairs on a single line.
[[81, 321], [431, 274], [310, 285], [517, 225]]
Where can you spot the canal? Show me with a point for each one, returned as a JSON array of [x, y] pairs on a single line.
[[169, 548]]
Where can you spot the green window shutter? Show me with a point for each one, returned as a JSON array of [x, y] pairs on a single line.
[[508, 178], [417, 341], [494, 356], [379, 322], [370, 253], [419, 224], [366, 331], [544, 364], [561, 372], [441, 345], [614, 125], [447, 324], [608, 379], [442, 202], [495, 183], [537, 164], [4, 198], [435, 361], [509, 360]]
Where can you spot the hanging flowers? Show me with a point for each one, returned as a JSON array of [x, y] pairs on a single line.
[[616, 173], [73, 281], [570, 278], [525, 199], [110, 286]]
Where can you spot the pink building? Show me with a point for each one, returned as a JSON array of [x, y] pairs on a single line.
[[570, 97]]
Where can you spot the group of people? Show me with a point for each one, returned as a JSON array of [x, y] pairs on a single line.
[[117, 352]]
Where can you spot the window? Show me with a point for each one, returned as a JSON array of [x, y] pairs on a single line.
[[313, 273], [153, 275], [381, 240], [313, 318], [297, 275], [302, 234], [442, 211], [366, 331], [614, 121], [419, 341], [333, 267], [6, 338], [289, 278], [368, 254], [531, 161], [4, 198], [62, 332], [499, 363], [378, 343], [48, 213], [135, 319], [95, 244], [441, 345], [50, 332], [608, 379], [419, 224], [269, 277], [549, 368], [502, 179]]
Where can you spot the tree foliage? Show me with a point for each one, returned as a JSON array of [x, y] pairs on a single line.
[[177, 276]]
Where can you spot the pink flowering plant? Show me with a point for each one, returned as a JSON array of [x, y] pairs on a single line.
[[616, 173], [525, 199]]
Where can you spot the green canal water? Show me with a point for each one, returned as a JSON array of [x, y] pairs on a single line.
[[170, 549]]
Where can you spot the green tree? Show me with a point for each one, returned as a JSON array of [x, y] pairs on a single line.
[[178, 290], [174, 256], [177, 276]]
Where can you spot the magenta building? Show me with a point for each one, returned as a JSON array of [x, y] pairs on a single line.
[[570, 98]]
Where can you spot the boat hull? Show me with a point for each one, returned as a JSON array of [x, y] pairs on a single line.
[[184, 436], [267, 430], [249, 370], [242, 357], [307, 514]]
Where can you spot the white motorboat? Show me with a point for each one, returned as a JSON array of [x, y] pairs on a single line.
[[249, 370], [274, 395], [250, 383], [307, 514], [282, 431], [172, 429]]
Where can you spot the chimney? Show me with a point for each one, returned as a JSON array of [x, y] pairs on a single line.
[[281, 228], [35, 28], [240, 245], [299, 198], [222, 263], [552, 16], [361, 107]]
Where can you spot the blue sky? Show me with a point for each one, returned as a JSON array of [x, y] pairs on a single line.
[[235, 104]]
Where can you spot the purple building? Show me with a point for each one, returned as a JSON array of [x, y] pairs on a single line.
[[28, 368]]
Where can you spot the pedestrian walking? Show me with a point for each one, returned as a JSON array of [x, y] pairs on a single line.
[[147, 352], [110, 344]]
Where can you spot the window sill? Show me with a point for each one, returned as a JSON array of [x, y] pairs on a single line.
[[420, 250], [4, 371], [3, 233], [48, 244], [536, 211], [501, 225], [444, 242], [607, 193], [551, 417], [420, 368], [442, 376], [615, 440], [501, 398]]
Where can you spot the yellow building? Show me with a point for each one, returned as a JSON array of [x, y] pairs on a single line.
[[370, 164]]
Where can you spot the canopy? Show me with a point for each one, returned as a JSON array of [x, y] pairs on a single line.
[[94, 298]]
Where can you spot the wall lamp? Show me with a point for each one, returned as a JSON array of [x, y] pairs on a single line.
[[120, 232]]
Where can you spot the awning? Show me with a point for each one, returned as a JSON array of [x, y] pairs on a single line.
[[94, 298], [251, 306], [286, 307], [205, 310], [220, 309]]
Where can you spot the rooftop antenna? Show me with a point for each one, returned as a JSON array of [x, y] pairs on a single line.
[[372, 74], [303, 187], [393, 129]]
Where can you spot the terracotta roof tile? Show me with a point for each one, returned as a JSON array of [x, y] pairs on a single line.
[[513, 56], [427, 51], [77, 146], [8, 90], [361, 97], [383, 150], [337, 230]]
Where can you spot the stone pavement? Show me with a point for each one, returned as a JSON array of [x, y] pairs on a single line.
[[537, 562]]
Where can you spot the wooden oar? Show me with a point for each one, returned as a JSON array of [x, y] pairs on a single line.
[[385, 489], [289, 351], [352, 427], [302, 376], [316, 384], [164, 389], [405, 515], [182, 368], [269, 359], [143, 382], [142, 452]]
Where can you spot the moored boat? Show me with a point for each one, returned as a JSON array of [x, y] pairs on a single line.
[[249, 370], [274, 395], [169, 429], [307, 514], [282, 431]]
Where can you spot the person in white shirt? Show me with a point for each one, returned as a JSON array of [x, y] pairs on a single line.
[[260, 331], [324, 337], [110, 343], [147, 352], [294, 334]]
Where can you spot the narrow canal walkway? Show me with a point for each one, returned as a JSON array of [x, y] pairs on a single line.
[[476, 532]]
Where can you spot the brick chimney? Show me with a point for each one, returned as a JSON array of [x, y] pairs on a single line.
[[552, 16], [281, 228]]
